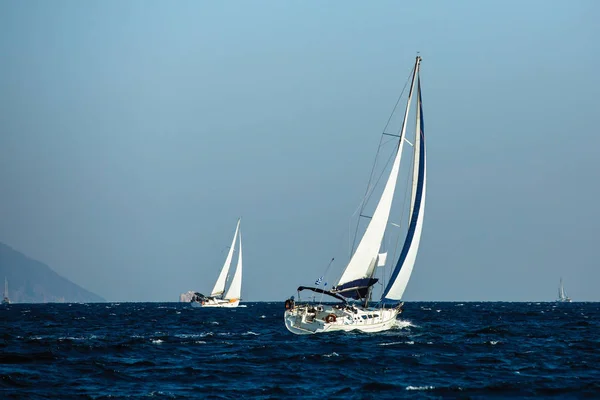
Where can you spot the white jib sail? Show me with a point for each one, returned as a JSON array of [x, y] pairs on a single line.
[[367, 250], [235, 288], [220, 284], [399, 286]]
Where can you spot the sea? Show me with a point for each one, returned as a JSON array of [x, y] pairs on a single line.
[[172, 351]]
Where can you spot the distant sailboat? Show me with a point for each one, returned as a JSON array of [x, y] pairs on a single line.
[[562, 295], [5, 300], [358, 279], [219, 297]]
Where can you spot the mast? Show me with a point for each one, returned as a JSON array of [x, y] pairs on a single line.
[[358, 274], [401, 273]]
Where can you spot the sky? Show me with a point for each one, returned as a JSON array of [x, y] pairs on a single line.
[[134, 134]]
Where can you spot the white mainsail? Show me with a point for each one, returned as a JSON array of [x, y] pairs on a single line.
[[220, 284], [235, 288], [408, 256], [561, 291], [562, 295], [364, 258], [5, 299]]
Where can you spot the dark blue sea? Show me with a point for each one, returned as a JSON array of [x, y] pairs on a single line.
[[169, 350]]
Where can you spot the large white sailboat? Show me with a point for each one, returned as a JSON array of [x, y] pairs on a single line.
[[562, 295], [219, 297], [354, 288], [6, 299]]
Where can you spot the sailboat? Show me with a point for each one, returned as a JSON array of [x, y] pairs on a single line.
[[5, 300], [562, 295], [219, 297], [355, 286]]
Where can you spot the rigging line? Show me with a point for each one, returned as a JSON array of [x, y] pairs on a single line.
[[368, 195], [377, 155], [328, 265], [387, 163], [398, 100]]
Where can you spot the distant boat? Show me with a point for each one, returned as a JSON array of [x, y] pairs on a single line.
[[5, 300], [219, 297], [562, 295], [357, 280]]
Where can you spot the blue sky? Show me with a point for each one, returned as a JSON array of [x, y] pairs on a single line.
[[133, 134]]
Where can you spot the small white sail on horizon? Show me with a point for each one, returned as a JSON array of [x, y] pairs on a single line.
[[219, 287], [5, 299], [220, 297], [562, 295], [235, 287]]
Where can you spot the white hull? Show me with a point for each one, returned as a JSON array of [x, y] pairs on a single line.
[[307, 320], [567, 300], [216, 303]]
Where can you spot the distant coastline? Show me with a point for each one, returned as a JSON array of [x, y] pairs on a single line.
[[31, 281]]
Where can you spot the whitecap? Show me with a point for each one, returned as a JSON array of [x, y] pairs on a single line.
[[419, 387], [494, 342], [438, 310], [404, 324], [250, 333], [263, 316], [157, 341], [334, 354], [390, 343], [189, 335]]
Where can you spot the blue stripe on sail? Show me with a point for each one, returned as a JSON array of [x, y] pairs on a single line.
[[415, 215]]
